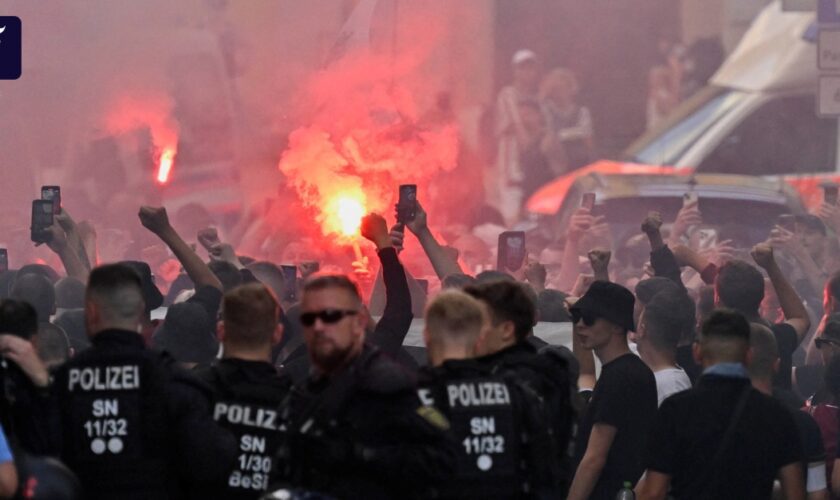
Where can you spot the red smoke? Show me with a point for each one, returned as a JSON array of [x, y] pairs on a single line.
[[152, 111], [365, 137]]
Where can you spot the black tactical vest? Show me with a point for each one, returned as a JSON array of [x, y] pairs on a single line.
[[246, 401], [497, 425], [114, 421]]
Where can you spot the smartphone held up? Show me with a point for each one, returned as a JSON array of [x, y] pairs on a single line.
[[407, 203], [588, 201], [511, 253], [42, 219], [52, 193]]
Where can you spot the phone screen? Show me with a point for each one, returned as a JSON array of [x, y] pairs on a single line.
[[52, 193], [787, 221], [289, 282], [689, 198], [588, 201], [511, 250], [407, 203], [42, 213], [42, 219]]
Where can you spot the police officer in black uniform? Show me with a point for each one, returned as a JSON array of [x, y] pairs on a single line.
[[247, 387], [133, 425], [505, 449], [356, 428], [508, 345]]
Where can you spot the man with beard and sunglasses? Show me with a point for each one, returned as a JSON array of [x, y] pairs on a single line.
[[355, 426], [611, 434]]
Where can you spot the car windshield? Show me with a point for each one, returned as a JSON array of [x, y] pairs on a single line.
[[751, 220], [666, 145]]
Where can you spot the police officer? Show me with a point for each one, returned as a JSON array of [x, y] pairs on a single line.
[[247, 388], [356, 428], [509, 345], [505, 449], [133, 425]]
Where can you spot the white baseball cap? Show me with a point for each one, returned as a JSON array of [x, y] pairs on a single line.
[[523, 55]]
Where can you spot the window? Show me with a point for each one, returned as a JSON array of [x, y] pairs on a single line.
[[666, 144], [783, 136]]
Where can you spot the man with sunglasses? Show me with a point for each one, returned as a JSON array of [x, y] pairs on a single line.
[[611, 435], [355, 426]]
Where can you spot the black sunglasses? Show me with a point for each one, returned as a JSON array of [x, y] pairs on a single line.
[[820, 343], [327, 316], [588, 317]]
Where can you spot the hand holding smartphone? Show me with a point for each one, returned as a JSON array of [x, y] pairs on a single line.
[[690, 198], [511, 252], [588, 201], [787, 222]]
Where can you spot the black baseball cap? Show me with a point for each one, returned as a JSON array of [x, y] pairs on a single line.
[[609, 301], [151, 294]]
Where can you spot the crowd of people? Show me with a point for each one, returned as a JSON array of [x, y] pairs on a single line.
[[543, 128], [700, 371]]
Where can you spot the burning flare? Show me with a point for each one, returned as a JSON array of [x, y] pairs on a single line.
[[167, 157], [345, 213]]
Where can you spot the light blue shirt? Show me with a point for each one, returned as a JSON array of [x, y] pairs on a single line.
[[734, 370], [5, 452]]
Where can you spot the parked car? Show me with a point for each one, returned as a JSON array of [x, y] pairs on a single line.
[[626, 193]]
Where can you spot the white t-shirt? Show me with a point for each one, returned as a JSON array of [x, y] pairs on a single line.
[[670, 381]]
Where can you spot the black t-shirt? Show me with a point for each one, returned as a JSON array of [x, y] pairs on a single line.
[[688, 431], [810, 437], [787, 341], [625, 398]]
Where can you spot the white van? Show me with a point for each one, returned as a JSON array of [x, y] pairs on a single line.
[[757, 116]]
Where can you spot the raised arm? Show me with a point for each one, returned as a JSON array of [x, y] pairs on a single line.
[[74, 237], [689, 215], [662, 260], [155, 220], [579, 223], [442, 262], [796, 315], [69, 257], [392, 328], [599, 259]]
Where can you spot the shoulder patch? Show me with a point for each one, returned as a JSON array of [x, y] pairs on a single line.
[[434, 417]]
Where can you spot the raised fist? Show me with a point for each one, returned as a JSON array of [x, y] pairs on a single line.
[[154, 219]]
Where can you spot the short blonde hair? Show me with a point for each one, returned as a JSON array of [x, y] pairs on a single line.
[[455, 316]]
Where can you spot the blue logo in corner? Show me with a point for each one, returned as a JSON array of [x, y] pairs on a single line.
[[10, 48]]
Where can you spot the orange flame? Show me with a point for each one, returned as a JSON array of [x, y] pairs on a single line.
[[167, 157], [344, 214], [147, 110]]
